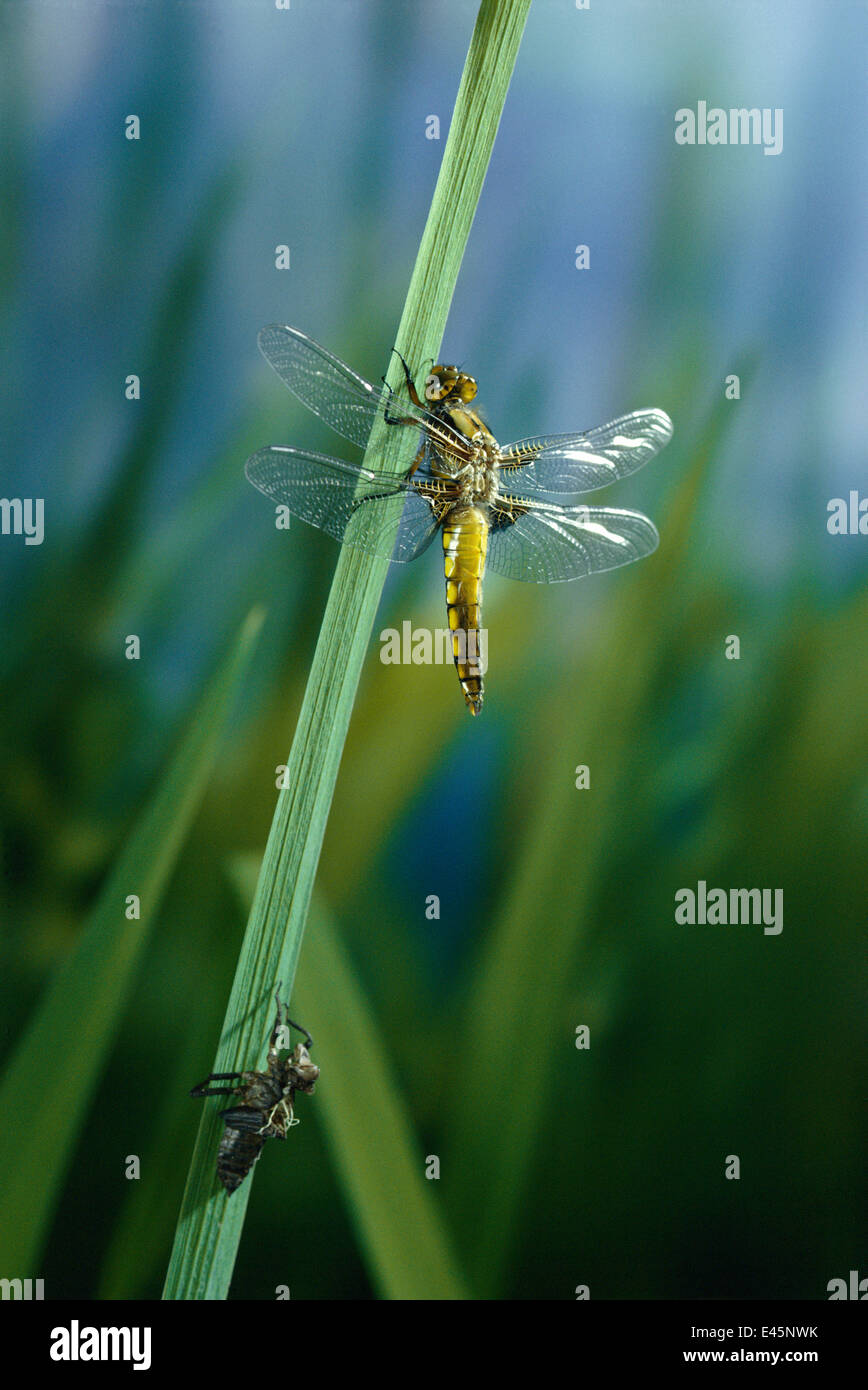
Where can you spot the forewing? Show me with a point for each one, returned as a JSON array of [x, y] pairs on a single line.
[[547, 544], [350, 503], [326, 385], [557, 466]]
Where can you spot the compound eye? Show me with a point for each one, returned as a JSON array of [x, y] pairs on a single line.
[[432, 388]]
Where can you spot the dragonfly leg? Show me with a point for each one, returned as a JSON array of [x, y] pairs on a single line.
[[298, 1028], [203, 1089], [408, 379], [282, 1015], [396, 419], [418, 459]]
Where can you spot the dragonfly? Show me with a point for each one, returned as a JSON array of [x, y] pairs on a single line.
[[265, 1110], [513, 509]]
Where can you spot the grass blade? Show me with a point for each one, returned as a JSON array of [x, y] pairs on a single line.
[[210, 1226], [393, 1207], [392, 1204]]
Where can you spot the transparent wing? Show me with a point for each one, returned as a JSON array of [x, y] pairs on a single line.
[[553, 466], [546, 544], [328, 387], [348, 502]]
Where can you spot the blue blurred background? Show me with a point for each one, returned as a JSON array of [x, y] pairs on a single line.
[[157, 257]]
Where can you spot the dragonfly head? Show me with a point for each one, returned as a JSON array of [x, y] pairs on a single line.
[[448, 383], [301, 1073]]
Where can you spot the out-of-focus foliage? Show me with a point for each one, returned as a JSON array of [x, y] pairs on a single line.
[[86, 999], [558, 1166]]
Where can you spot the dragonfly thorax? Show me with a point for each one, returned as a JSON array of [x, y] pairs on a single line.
[[483, 471], [476, 476]]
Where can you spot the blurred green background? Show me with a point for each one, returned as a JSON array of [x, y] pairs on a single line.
[[559, 1167]]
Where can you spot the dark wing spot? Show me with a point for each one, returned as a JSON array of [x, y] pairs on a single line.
[[506, 511]]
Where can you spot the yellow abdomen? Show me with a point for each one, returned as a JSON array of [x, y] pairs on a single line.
[[465, 541]]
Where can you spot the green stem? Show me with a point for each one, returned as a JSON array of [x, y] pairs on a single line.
[[210, 1224]]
